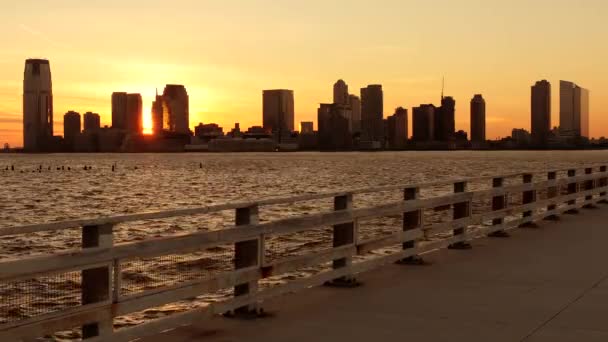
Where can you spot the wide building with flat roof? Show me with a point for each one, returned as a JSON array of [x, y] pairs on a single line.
[[278, 111], [573, 110]]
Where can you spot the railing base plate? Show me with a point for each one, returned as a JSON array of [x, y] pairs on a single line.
[[530, 225], [414, 260], [345, 282], [499, 234], [248, 315], [460, 246]]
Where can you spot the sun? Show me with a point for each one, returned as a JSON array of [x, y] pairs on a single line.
[[147, 120]]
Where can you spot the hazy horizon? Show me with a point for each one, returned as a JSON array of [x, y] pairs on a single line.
[[227, 53]]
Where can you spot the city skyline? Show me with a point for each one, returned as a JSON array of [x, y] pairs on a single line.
[[224, 86]]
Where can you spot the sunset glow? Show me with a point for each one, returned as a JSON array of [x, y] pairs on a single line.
[[304, 46]]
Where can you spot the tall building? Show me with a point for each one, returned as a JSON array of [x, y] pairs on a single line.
[[333, 127], [37, 105], [372, 109], [91, 122], [177, 105], [278, 110], [423, 120], [478, 119], [445, 125], [134, 117], [573, 110], [71, 126], [355, 105], [541, 112], [159, 119], [119, 110], [341, 93], [397, 128]]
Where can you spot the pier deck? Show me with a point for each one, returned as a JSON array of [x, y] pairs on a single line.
[[547, 284]]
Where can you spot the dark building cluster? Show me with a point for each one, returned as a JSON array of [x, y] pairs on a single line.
[[350, 122]]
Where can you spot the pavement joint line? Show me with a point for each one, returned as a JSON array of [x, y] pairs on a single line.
[[566, 307]]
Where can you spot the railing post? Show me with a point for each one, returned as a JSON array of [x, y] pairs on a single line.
[[589, 185], [552, 192], [96, 282], [461, 210], [343, 234], [528, 197], [603, 182], [572, 189], [411, 220], [498, 203], [247, 254]]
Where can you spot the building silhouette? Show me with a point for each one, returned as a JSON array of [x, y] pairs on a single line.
[[159, 121], [444, 125], [333, 127], [306, 127], [71, 126], [37, 105], [341, 93], [91, 122], [119, 110], [134, 118], [372, 109], [478, 119], [355, 105], [573, 110], [423, 120], [397, 128], [278, 111], [176, 108], [541, 112]]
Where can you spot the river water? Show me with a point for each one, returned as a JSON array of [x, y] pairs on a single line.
[[53, 187]]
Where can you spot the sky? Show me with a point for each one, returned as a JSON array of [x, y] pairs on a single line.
[[226, 52]]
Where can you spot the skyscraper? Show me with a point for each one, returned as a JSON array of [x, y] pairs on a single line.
[[134, 119], [355, 105], [573, 110], [71, 126], [119, 110], [333, 127], [176, 108], [91, 122], [341, 93], [37, 104], [372, 113], [159, 118], [397, 128], [444, 125], [478, 119], [423, 120], [278, 111], [541, 112]]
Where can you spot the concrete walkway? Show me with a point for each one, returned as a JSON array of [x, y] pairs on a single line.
[[547, 284]]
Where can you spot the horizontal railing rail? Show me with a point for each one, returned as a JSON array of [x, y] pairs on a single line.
[[100, 259]]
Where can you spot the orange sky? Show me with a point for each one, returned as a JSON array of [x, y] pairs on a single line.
[[227, 52]]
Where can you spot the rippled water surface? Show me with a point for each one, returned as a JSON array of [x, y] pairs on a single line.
[[53, 187]]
